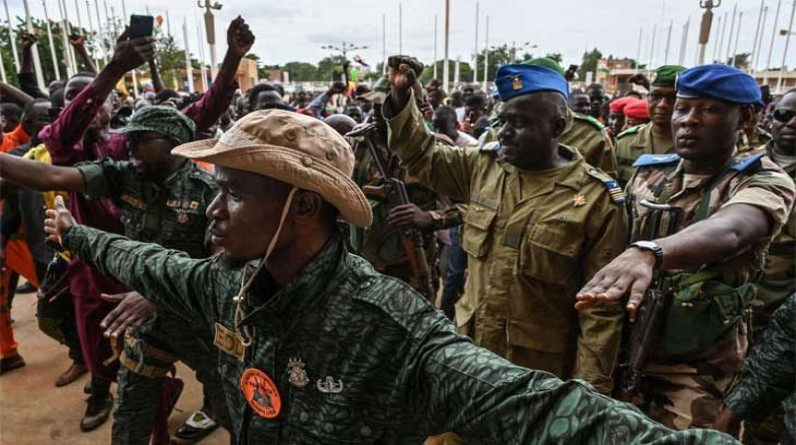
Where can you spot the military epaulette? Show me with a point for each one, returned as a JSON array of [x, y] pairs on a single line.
[[648, 160], [742, 164], [629, 131], [492, 146], [594, 122], [613, 187]]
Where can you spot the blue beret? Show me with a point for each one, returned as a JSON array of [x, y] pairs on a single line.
[[721, 82], [516, 80]]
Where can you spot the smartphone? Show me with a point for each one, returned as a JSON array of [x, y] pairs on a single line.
[[141, 25]]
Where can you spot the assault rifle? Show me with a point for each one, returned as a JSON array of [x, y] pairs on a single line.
[[395, 195], [650, 314]]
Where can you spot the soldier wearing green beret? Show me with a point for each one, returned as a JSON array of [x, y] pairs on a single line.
[[314, 346], [163, 200], [654, 137]]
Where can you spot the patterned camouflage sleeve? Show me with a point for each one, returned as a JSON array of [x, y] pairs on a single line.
[[440, 167], [105, 177], [770, 372], [770, 189], [168, 278], [485, 399]]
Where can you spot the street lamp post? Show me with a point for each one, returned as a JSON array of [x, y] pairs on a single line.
[[210, 30]]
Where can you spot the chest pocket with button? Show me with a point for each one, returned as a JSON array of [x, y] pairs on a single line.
[[476, 235], [550, 252]]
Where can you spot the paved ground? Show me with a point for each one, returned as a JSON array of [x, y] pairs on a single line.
[[34, 411]]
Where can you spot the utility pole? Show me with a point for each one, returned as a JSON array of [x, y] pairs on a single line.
[[384, 43], [771, 46], [210, 29], [486, 57], [435, 46], [446, 68], [56, 71], [35, 48], [684, 42], [12, 38], [759, 48], [188, 67], [787, 44], [737, 35], [652, 46], [757, 34], [638, 49], [668, 42], [704, 30], [475, 46], [732, 29], [721, 38], [400, 28]]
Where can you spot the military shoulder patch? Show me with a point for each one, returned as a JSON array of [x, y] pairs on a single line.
[[648, 160], [594, 122], [746, 162], [493, 146], [629, 131], [613, 187]]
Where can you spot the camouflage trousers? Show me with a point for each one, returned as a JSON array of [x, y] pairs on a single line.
[[149, 352], [683, 400]]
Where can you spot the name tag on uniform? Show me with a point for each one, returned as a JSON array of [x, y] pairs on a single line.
[[230, 342]]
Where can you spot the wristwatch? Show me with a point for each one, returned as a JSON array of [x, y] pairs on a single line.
[[652, 247]]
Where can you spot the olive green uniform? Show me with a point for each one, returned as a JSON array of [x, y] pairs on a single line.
[[533, 239], [359, 357], [593, 141], [703, 340], [630, 145], [171, 214]]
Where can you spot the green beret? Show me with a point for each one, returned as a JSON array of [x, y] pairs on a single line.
[[547, 63], [166, 121], [666, 75]]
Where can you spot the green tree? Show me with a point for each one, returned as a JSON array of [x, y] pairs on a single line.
[[170, 60], [301, 71], [741, 60], [589, 63], [330, 69], [555, 56]]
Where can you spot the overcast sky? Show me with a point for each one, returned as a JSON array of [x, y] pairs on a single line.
[[288, 30]]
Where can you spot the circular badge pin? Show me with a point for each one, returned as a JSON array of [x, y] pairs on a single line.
[[261, 393]]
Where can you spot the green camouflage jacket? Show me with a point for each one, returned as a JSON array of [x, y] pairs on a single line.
[[769, 375], [171, 214], [353, 356]]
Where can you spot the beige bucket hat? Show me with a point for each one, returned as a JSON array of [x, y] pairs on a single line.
[[293, 148]]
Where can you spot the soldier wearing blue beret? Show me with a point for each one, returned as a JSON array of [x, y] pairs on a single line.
[[702, 220], [541, 221]]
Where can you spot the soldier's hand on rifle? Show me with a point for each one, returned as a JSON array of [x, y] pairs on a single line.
[[27, 39], [629, 273], [58, 221], [76, 40], [410, 214], [239, 37], [132, 310], [402, 75]]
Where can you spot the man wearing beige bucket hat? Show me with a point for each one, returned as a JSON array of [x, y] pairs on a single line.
[[314, 345]]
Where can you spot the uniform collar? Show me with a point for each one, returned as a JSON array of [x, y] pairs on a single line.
[[565, 175], [323, 272]]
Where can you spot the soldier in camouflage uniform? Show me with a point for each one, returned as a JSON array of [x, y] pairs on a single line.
[[654, 137], [163, 199], [702, 221], [317, 347], [535, 230], [779, 279], [768, 379]]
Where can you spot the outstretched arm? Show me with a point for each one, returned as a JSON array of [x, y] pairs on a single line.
[[11, 94], [157, 81], [26, 75], [38, 175], [168, 278]]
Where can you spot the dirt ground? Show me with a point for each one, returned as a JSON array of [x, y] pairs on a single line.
[[34, 411]]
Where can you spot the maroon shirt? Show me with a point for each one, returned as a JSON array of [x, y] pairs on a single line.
[[66, 142]]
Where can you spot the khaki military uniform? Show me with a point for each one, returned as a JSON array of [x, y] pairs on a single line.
[[687, 390], [630, 145], [593, 141], [533, 239]]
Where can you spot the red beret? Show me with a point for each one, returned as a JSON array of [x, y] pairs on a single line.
[[637, 109], [618, 105]]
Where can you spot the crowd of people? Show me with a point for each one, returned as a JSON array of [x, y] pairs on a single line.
[[394, 263]]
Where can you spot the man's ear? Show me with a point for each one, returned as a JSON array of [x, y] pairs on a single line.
[[559, 126], [745, 116], [308, 206]]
